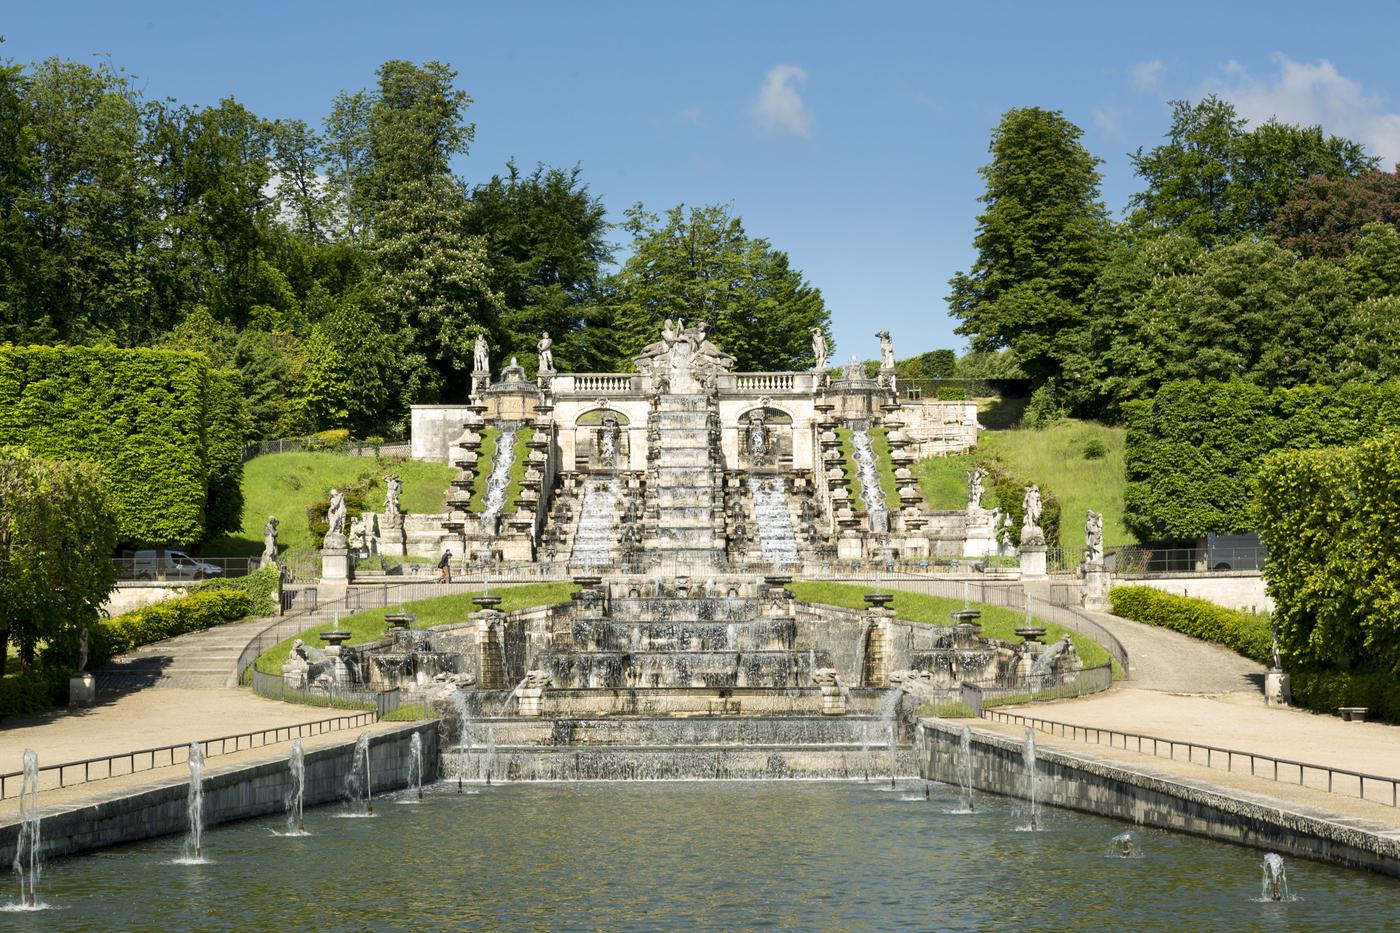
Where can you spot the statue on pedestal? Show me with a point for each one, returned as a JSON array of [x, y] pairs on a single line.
[[546, 353], [1093, 541], [335, 515], [886, 350], [975, 477], [481, 356], [393, 488], [1031, 509], [820, 351], [269, 554]]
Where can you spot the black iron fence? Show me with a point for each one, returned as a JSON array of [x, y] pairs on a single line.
[[293, 445], [1133, 559], [1034, 689], [274, 687], [103, 767], [177, 567], [1319, 777]]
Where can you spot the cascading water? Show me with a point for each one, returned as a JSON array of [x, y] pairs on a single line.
[[296, 793], [27, 863], [887, 711], [868, 472], [194, 806], [776, 539], [499, 478], [593, 540], [1274, 886], [415, 763], [359, 785], [1032, 781]]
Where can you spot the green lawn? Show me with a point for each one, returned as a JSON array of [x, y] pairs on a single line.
[[1053, 458], [439, 610], [998, 622], [285, 484]]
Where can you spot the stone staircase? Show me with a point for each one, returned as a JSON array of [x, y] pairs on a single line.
[[682, 506], [199, 660]]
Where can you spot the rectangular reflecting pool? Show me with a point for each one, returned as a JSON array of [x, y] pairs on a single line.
[[785, 855]]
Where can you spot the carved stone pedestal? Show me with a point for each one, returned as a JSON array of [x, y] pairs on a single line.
[[1276, 689], [1096, 583], [833, 700], [1033, 562], [82, 690]]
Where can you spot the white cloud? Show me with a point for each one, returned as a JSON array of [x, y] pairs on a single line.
[[779, 104], [1148, 74], [1106, 120], [1312, 94]]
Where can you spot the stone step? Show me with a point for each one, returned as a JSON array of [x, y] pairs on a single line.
[[667, 762]]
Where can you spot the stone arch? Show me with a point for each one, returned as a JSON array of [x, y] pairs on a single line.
[[777, 430], [590, 447], [593, 417]]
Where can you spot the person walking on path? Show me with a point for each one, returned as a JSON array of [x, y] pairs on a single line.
[[445, 567]]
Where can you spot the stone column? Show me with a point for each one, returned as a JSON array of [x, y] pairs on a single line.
[[1096, 584], [1033, 562]]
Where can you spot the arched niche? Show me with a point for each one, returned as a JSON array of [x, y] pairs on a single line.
[[600, 440], [765, 438]]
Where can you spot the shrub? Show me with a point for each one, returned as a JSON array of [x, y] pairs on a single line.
[[1044, 408], [36, 691], [168, 618], [1247, 633], [1094, 449], [263, 586], [1326, 691], [335, 439]]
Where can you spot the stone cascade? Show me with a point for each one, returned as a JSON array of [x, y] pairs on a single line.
[[595, 521], [595, 535], [772, 518], [684, 523]]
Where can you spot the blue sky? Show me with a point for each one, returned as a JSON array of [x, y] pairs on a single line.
[[849, 134]]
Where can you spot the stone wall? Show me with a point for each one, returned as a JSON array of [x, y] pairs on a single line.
[[435, 427], [134, 594], [240, 794], [1238, 589], [1091, 785], [939, 428]]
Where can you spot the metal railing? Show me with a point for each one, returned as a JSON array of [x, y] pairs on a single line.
[[1282, 770], [183, 569], [104, 767], [292, 445], [980, 697], [1130, 559], [274, 687]]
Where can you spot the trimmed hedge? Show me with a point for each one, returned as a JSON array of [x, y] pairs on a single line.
[[37, 691], [263, 586], [1193, 449], [167, 432], [1325, 692], [168, 618], [1246, 633]]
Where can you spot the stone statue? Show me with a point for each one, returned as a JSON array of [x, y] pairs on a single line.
[[393, 488], [854, 371], [83, 650], [269, 554], [975, 477], [1273, 628], [1093, 540], [668, 332], [335, 515], [546, 353], [481, 356], [820, 351], [1031, 509], [359, 535], [886, 350]]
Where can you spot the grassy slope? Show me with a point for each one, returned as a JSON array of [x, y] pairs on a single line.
[[485, 457], [439, 610], [1053, 458], [879, 442], [998, 622], [285, 484]]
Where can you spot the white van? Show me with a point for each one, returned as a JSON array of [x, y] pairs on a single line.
[[178, 566]]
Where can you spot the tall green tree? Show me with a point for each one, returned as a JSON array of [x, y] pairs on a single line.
[[1040, 242], [700, 264], [57, 533], [1214, 179], [1325, 216], [546, 239]]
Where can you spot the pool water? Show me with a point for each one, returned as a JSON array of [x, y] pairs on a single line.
[[782, 855]]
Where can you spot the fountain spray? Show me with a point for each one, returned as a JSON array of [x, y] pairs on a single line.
[[27, 864], [296, 762], [194, 843], [415, 762]]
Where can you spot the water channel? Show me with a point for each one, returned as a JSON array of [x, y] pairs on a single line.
[[696, 855]]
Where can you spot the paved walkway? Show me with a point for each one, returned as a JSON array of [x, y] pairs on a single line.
[[147, 719]]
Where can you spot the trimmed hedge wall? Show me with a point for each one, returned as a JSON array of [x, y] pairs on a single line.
[[1246, 633], [1325, 692], [168, 432], [263, 586], [168, 618], [1193, 449]]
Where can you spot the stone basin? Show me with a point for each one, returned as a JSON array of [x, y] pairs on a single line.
[[335, 638], [878, 600], [486, 602], [965, 617], [400, 619], [1030, 632]]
